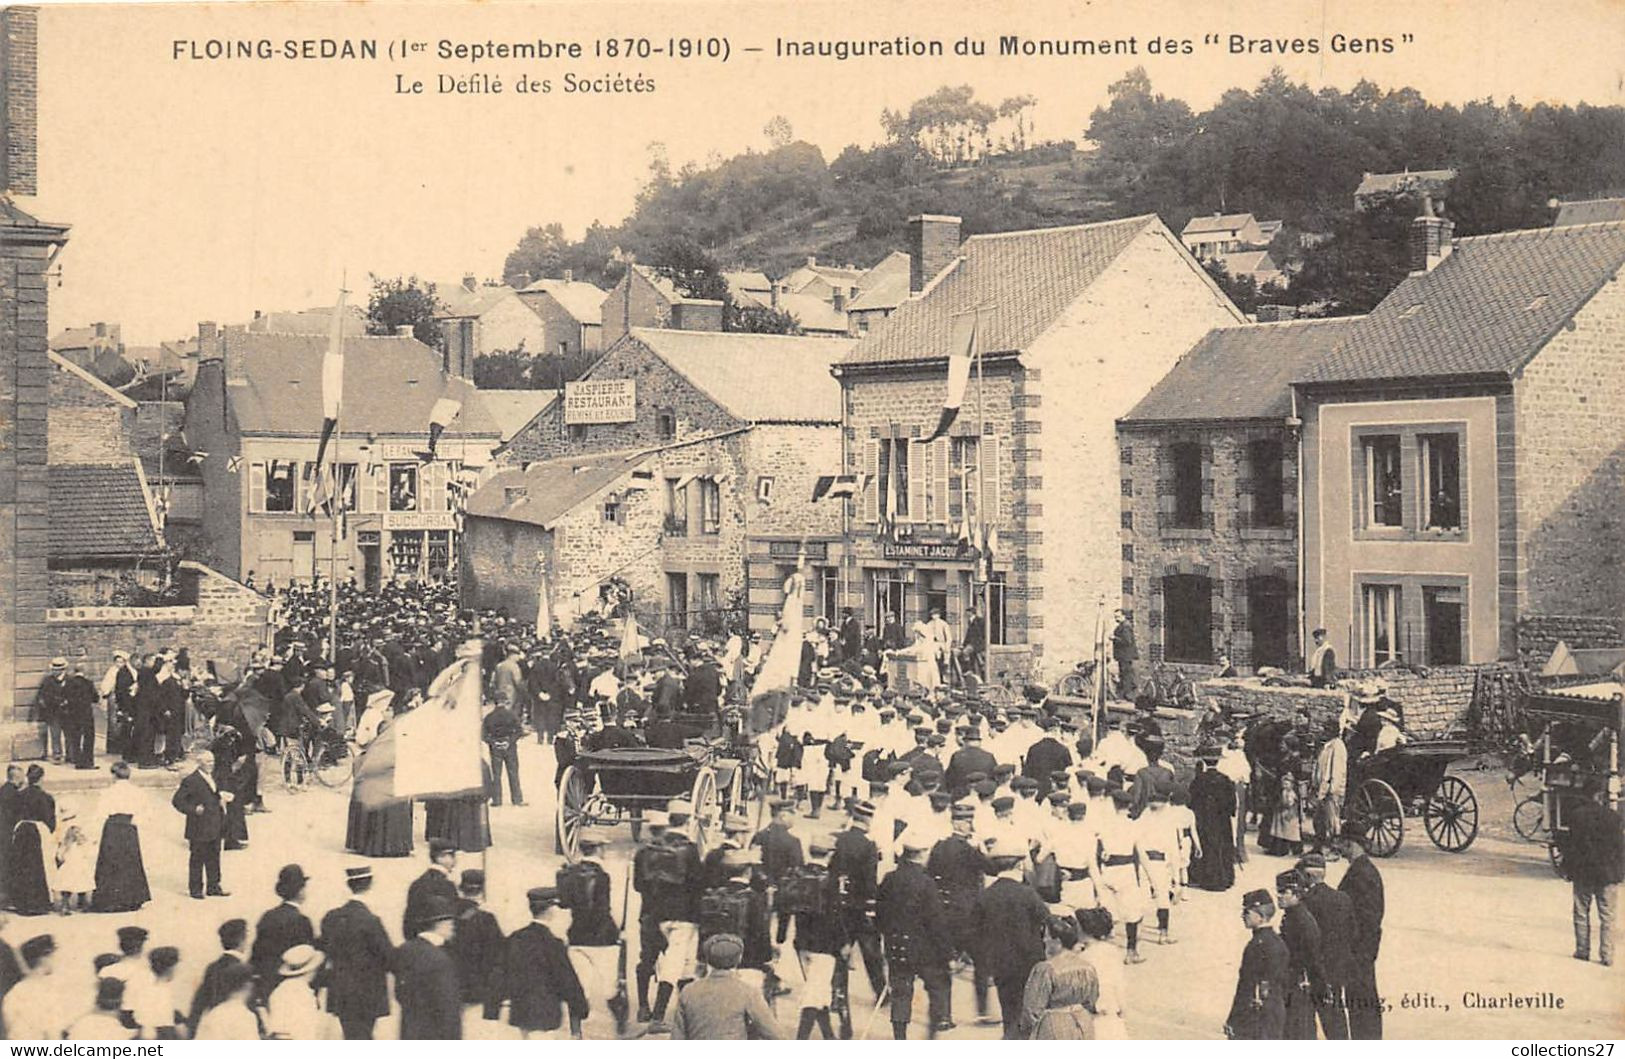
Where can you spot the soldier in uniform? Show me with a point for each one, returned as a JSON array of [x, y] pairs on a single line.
[[910, 918], [1339, 931], [853, 866], [1305, 975], [671, 902], [781, 849], [960, 867], [1363, 884], [1258, 1011]]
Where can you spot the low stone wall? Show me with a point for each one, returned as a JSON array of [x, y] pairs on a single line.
[[1537, 635]]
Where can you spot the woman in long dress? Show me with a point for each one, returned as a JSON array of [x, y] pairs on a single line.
[[1058, 1003], [1213, 800], [33, 848], [1107, 960], [385, 830], [120, 874]]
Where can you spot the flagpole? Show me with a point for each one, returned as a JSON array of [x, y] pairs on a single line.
[[336, 492], [981, 503]]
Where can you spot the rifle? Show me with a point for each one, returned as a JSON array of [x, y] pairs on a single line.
[[620, 1005]]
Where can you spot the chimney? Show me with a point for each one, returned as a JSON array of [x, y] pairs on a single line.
[[569, 275], [208, 341], [101, 330], [403, 331], [258, 313], [933, 243], [469, 282], [812, 262], [521, 281], [1429, 238]]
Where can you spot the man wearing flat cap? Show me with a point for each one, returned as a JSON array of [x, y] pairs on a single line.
[[720, 1006], [536, 975], [358, 953], [426, 977], [1008, 924], [1258, 1011], [476, 947]]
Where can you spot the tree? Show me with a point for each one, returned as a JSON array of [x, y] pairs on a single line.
[[540, 253], [503, 370], [404, 302], [693, 271], [778, 131], [1359, 264], [760, 320]]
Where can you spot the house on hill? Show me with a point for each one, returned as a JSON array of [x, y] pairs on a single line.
[[880, 291], [645, 298], [1074, 326], [480, 318], [1214, 235], [683, 462], [1434, 183], [571, 313]]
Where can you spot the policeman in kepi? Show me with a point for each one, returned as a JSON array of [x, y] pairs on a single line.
[[909, 915], [1258, 1012]]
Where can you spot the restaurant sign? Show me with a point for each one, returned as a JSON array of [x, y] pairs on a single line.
[[600, 401], [793, 549]]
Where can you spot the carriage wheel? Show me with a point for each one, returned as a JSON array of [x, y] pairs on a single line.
[[1529, 819], [571, 818], [1379, 806], [1451, 815], [707, 811]]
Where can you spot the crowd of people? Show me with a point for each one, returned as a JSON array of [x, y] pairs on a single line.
[[925, 833]]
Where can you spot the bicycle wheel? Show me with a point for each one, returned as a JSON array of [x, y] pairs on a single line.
[[1529, 819], [333, 768]]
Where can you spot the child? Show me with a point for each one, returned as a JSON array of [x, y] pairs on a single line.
[[75, 867], [1184, 822]]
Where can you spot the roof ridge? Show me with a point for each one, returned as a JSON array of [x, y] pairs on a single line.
[[733, 334], [1144, 218], [1548, 230], [1253, 324]]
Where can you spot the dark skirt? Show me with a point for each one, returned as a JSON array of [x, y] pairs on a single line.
[[29, 894], [121, 875], [464, 822], [385, 832]]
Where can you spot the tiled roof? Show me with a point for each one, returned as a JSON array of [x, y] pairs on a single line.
[[1241, 372], [100, 511], [1409, 180], [584, 301], [317, 321], [1218, 222], [390, 384], [885, 286], [62, 363], [457, 300], [512, 409], [1249, 262], [77, 338], [747, 280], [812, 312], [1590, 211], [543, 492], [757, 378], [1028, 278], [1485, 310], [667, 289]]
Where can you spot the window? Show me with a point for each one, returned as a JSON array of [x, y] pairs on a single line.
[[666, 424], [1264, 468], [279, 485], [1269, 616], [829, 591], [1186, 460], [1441, 481], [578, 431], [677, 599], [764, 489], [962, 456], [894, 476], [1442, 614], [891, 600], [347, 488], [1187, 611], [710, 506], [676, 509], [403, 487], [863, 323], [1384, 485], [439, 551], [1381, 624], [710, 602], [612, 510], [997, 629]]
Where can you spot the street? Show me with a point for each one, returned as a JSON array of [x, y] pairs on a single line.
[[1463, 933]]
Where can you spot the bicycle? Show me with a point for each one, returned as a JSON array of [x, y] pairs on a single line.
[[328, 760], [1529, 819]]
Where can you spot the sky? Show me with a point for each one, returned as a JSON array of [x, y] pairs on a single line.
[[204, 190]]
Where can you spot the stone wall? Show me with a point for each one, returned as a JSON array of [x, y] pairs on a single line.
[[19, 100], [1539, 634], [86, 424]]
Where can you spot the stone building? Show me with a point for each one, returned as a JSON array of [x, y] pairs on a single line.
[[479, 318], [1463, 474], [571, 313], [1075, 325], [644, 298], [687, 462], [257, 412], [1210, 498]]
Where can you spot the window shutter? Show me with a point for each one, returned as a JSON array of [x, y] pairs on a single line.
[[432, 487], [380, 493], [256, 487], [988, 470], [919, 474], [871, 467], [939, 480], [365, 496]]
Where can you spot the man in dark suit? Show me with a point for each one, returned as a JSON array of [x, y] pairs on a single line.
[[1339, 934], [1008, 925], [281, 928], [203, 805], [1125, 654], [851, 635], [960, 868], [1045, 757], [435, 882], [667, 694], [968, 759], [1363, 884], [426, 977], [703, 690], [909, 915], [212, 990], [358, 954], [79, 719], [536, 975], [853, 867], [781, 849], [1306, 976], [476, 947]]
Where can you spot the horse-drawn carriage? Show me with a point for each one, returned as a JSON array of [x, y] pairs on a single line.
[[1412, 780], [716, 769]]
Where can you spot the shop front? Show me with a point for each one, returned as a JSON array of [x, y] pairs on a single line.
[[770, 562]]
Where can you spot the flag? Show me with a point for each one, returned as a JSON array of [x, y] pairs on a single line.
[[544, 611], [839, 486], [447, 408], [433, 751], [961, 350], [771, 693], [332, 380], [629, 637], [234, 464], [990, 548]]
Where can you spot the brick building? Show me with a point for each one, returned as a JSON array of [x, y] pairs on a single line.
[[1075, 325], [1210, 499], [257, 412], [571, 313], [644, 298], [690, 478], [1463, 476]]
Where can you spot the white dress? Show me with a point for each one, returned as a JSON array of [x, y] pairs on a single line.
[[1107, 960]]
